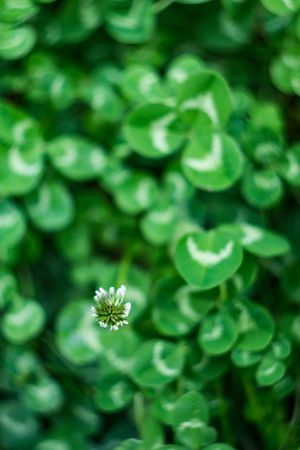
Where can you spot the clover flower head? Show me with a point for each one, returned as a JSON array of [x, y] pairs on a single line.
[[109, 309]]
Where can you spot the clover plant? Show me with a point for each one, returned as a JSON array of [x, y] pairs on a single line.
[[152, 147]]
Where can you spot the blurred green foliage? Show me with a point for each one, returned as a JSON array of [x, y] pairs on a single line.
[[150, 143]]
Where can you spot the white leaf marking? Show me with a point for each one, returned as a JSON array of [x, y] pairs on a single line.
[[267, 183], [117, 393], [289, 4], [159, 363], [213, 334], [206, 258], [20, 166], [42, 203], [251, 234], [23, 316], [158, 132], [57, 86], [121, 364], [143, 192], [293, 169], [8, 219], [67, 154], [147, 82], [184, 303], [212, 161], [193, 423], [162, 217], [269, 370], [205, 103], [179, 75], [20, 129], [16, 38], [97, 159], [88, 14]]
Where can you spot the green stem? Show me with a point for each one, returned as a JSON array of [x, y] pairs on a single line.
[[253, 399], [227, 430], [223, 292], [139, 410], [161, 5], [125, 265], [26, 282]]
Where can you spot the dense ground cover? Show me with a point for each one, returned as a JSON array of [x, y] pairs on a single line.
[[151, 144]]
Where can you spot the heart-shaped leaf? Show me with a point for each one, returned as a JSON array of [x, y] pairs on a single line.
[[112, 393], [23, 321], [77, 334], [206, 259], [190, 416], [208, 94], [262, 188], [218, 333], [12, 224], [257, 240], [212, 161], [157, 362], [153, 130], [256, 326], [51, 206], [269, 371], [77, 158]]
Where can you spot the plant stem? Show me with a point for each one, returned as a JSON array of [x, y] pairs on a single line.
[[253, 399], [224, 419], [223, 292], [26, 282], [124, 265], [138, 410]]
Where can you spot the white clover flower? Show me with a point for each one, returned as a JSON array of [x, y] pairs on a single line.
[[109, 310]]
